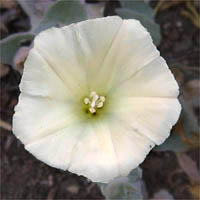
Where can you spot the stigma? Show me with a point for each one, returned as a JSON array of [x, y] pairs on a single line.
[[94, 101]]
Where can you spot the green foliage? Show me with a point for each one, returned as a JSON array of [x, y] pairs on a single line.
[[174, 142], [35, 10], [62, 13], [138, 6], [124, 187], [11, 44], [142, 12]]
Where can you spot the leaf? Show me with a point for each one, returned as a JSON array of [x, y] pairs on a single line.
[[11, 44], [172, 143], [149, 24], [35, 10], [135, 175], [138, 6], [62, 13], [124, 187], [189, 120], [182, 138]]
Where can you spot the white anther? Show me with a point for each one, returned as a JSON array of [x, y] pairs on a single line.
[[92, 110], [102, 98], [92, 94], [100, 105], [86, 101]]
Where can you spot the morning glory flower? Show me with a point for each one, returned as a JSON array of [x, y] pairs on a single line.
[[96, 97]]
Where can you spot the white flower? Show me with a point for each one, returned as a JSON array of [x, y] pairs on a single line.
[[95, 98]]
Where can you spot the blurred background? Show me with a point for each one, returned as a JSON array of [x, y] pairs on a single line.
[[170, 171]]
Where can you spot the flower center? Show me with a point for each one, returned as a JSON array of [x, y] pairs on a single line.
[[94, 101]]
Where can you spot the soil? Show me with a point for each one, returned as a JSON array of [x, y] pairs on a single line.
[[24, 177]]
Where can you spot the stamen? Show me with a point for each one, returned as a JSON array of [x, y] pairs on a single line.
[[95, 98], [92, 93], [86, 101], [102, 98], [92, 104], [94, 101], [92, 110], [100, 105]]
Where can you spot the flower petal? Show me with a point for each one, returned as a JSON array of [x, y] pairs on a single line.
[[131, 50], [153, 80], [40, 80], [109, 150], [78, 50], [82, 149], [60, 49], [56, 149], [151, 117], [94, 155], [131, 147], [38, 117]]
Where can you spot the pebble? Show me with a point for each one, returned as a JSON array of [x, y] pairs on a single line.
[[179, 24], [162, 194], [73, 189]]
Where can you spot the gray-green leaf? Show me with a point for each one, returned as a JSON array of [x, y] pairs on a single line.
[[63, 13], [35, 10], [138, 6], [174, 142], [11, 44], [124, 187]]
